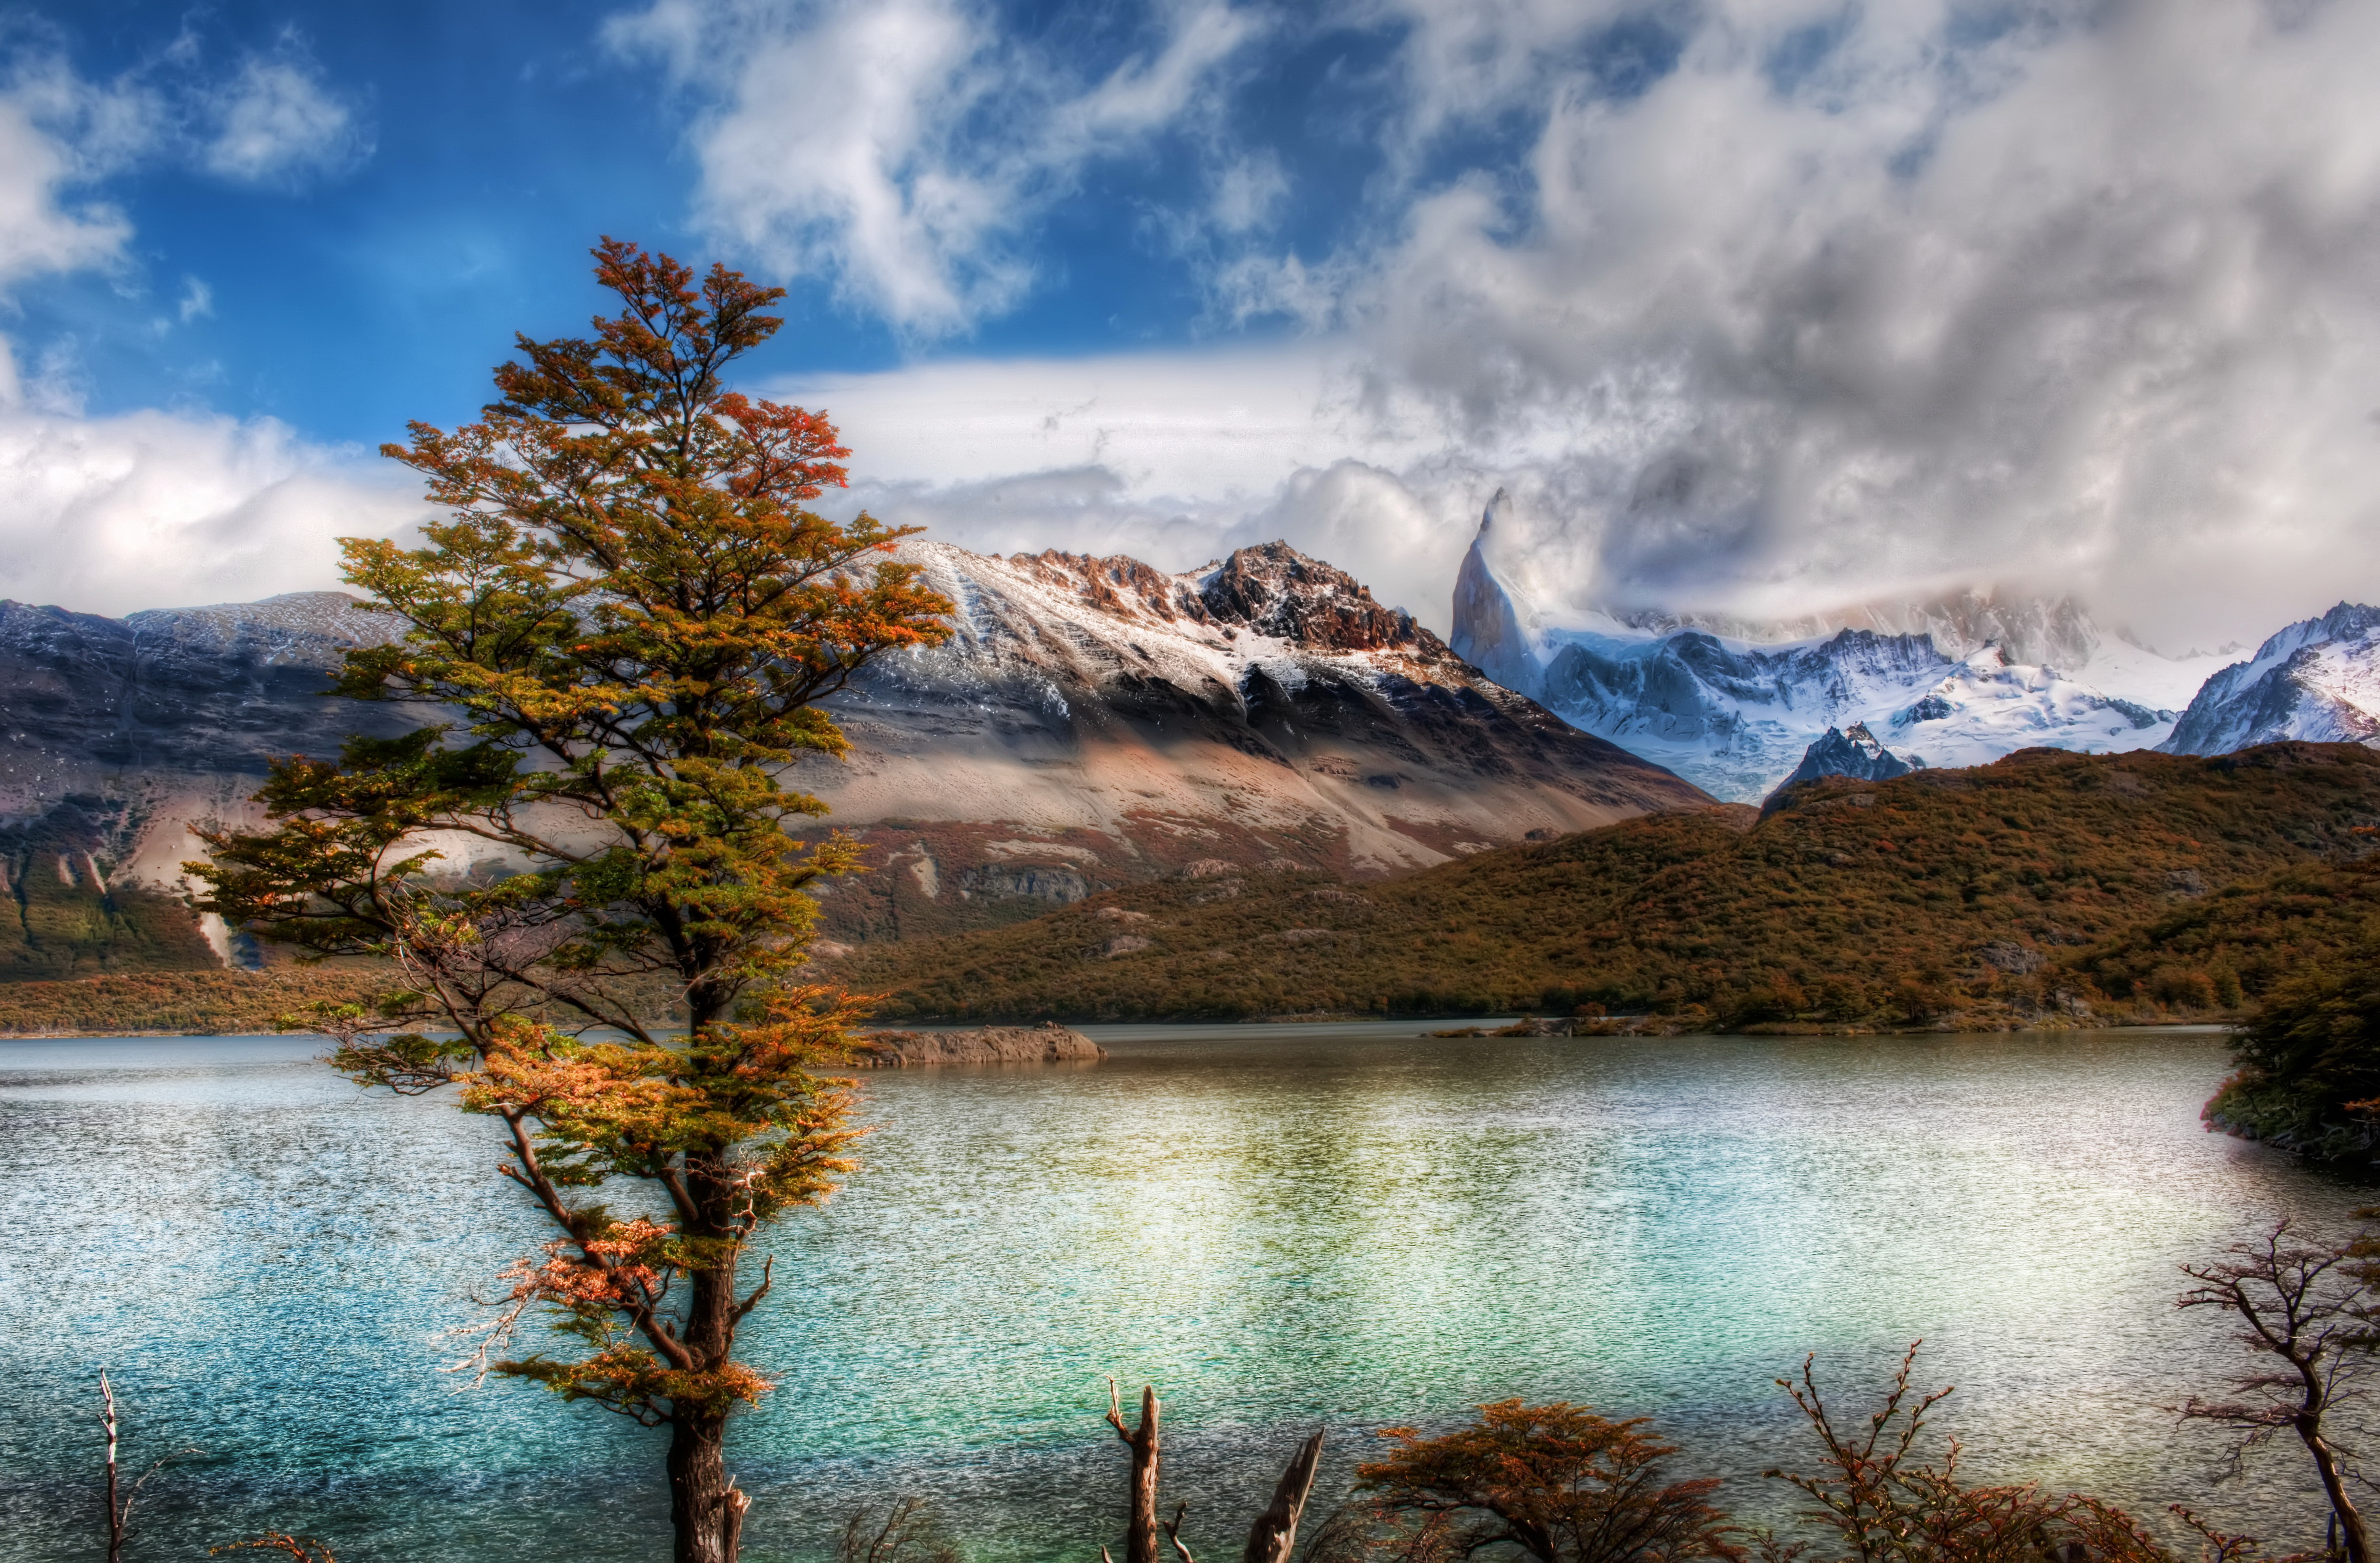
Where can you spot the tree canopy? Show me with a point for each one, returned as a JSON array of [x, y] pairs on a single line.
[[625, 623]]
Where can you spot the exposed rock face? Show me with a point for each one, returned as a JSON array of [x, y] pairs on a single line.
[[191, 691], [115, 733], [67, 908], [2318, 680], [1857, 753], [1048, 1042]]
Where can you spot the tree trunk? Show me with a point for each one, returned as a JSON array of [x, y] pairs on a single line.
[[1274, 1536], [703, 1510], [1140, 1540], [2342, 1507], [706, 1512], [115, 1509]]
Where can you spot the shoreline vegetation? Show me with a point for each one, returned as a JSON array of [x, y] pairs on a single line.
[[240, 1004], [2049, 890]]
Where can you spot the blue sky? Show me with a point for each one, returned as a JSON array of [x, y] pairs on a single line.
[[1765, 305], [378, 264]]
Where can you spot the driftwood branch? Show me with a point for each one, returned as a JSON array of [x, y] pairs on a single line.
[[1274, 1536], [732, 1507], [1174, 1533], [1140, 1540], [120, 1500], [115, 1512]]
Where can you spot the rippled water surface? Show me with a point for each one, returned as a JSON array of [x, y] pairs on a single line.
[[1280, 1227]]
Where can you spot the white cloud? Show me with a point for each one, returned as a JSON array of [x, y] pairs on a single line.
[[154, 509], [1829, 311], [57, 133], [1174, 457], [1465, 62], [277, 118], [151, 509], [903, 146], [2086, 305], [1249, 192]]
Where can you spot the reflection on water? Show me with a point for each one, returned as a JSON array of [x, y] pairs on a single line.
[[1281, 1226]]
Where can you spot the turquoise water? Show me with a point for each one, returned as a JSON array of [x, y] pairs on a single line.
[[1280, 1227]]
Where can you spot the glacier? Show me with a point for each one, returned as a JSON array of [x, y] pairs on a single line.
[[1734, 706]]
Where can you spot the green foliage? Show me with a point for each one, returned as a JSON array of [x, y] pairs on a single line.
[[2308, 1068], [1993, 896], [210, 1003], [634, 617]]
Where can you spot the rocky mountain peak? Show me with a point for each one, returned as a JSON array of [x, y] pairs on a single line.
[[1274, 589], [1117, 585], [2318, 680], [1851, 752]]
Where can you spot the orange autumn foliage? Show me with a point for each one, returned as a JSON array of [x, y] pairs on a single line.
[[631, 618]]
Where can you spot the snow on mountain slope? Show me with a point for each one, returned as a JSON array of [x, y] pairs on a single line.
[[1090, 723], [2318, 679], [1945, 683], [1094, 721]]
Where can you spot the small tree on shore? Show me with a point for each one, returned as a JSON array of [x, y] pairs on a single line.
[[1555, 1482], [630, 618], [2305, 1314]]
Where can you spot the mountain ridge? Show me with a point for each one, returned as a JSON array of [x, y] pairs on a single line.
[[2317, 679], [2039, 890], [1734, 704], [1092, 721]]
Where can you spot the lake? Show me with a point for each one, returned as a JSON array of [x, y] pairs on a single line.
[[1280, 1227]]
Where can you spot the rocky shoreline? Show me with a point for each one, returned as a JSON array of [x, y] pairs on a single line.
[[1048, 1042]]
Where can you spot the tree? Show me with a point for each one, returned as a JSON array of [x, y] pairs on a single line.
[[2308, 1064], [1887, 1504], [627, 620], [908, 1532], [119, 1498], [1883, 1502], [1557, 1483], [2305, 1315], [1271, 1539]]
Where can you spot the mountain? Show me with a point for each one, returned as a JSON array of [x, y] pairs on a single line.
[[1733, 705], [1095, 721], [2047, 888], [1091, 722], [115, 733], [2318, 679], [1857, 754]]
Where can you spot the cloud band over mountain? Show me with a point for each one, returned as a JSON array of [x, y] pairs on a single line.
[[1753, 306]]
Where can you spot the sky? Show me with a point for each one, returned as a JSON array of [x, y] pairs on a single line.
[[1752, 306]]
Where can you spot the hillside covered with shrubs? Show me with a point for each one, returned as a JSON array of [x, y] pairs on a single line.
[[2047, 888]]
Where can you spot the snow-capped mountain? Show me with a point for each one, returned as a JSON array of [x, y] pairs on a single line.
[[2318, 679], [1091, 722], [1734, 706], [1095, 721], [1853, 752]]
